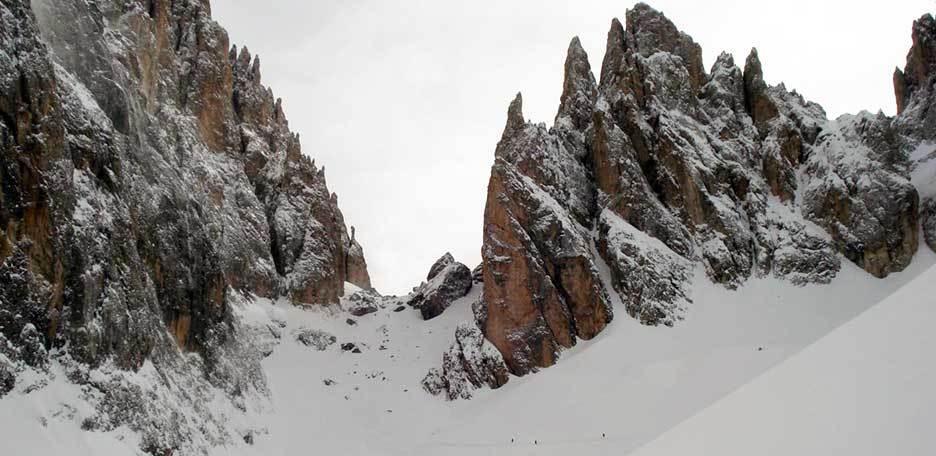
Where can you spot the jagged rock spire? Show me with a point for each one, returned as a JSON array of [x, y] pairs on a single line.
[[921, 60], [922, 55], [255, 69], [651, 31], [614, 52], [725, 86], [724, 60], [756, 100], [579, 91], [901, 92], [515, 120]]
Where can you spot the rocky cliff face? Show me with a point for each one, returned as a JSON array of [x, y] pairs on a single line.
[[916, 121], [150, 182], [660, 169]]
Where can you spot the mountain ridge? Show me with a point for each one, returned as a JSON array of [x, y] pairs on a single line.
[[660, 165]]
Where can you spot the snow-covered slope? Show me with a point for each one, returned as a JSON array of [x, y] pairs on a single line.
[[864, 389], [609, 396]]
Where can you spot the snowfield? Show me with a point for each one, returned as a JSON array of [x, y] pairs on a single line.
[[865, 387]]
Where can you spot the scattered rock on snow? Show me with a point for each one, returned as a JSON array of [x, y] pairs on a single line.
[[363, 302], [315, 338]]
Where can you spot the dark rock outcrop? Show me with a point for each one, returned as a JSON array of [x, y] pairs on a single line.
[[447, 281]]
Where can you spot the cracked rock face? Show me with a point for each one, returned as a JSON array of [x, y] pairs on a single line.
[[149, 181], [661, 166]]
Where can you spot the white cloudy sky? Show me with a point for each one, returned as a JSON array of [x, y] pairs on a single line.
[[403, 102]]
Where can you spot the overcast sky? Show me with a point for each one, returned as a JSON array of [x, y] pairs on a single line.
[[403, 102]]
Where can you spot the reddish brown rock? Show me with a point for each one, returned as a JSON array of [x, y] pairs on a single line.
[[541, 290], [760, 106], [355, 265], [901, 91]]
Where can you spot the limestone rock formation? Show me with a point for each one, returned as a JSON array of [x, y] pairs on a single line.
[[447, 281], [150, 182], [662, 166]]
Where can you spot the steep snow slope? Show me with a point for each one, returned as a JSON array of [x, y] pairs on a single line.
[[864, 389]]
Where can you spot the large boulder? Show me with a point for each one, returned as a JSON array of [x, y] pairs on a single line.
[[447, 281], [363, 302]]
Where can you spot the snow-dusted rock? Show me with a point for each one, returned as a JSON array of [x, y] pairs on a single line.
[[150, 182], [447, 281], [663, 166], [363, 302], [913, 86], [652, 279], [857, 186], [542, 288], [916, 119], [470, 363], [315, 338]]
